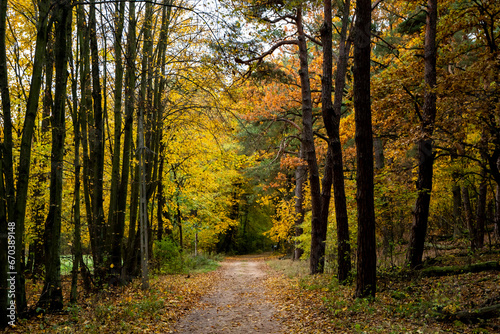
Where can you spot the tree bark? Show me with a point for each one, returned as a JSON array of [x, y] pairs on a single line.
[[425, 143], [367, 260]]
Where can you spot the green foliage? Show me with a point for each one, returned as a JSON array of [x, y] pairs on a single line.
[[167, 256], [168, 259], [413, 24]]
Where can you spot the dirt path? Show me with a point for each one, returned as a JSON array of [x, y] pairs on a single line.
[[238, 303]]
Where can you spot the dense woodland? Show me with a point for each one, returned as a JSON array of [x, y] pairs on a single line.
[[356, 135]]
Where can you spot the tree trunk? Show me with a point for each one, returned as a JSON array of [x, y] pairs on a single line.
[[300, 178], [51, 297], [425, 143], [130, 78], [131, 258], [96, 135], [344, 244], [117, 228], [161, 197], [496, 229], [318, 232], [327, 112], [23, 171], [367, 260], [143, 206]]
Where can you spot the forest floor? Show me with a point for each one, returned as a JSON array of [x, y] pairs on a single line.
[[263, 294]]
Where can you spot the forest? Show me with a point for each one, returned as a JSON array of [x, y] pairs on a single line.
[[139, 138]]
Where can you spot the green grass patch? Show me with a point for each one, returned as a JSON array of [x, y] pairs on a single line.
[[67, 263], [291, 269]]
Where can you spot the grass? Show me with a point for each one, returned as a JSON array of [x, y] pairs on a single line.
[[291, 269]]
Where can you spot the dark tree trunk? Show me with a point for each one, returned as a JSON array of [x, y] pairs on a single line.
[[331, 117], [130, 79], [23, 171], [117, 228], [131, 258], [36, 258], [367, 260], [51, 297], [496, 229], [425, 144], [318, 230], [96, 135]]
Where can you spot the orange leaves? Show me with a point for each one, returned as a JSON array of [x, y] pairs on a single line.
[[291, 162]]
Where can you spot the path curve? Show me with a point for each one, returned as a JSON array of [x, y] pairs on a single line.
[[238, 303]]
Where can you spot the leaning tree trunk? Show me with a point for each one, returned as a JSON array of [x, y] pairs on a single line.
[[51, 297], [425, 144], [367, 258]]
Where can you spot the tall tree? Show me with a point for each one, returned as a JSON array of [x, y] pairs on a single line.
[[114, 222], [130, 83], [425, 142], [96, 141], [334, 168], [51, 296], [318, 232], [367, 260]]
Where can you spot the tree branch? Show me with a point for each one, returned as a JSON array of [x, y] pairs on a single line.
[[267, 53]]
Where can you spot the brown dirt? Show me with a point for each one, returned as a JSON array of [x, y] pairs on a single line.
[[238, 303]]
